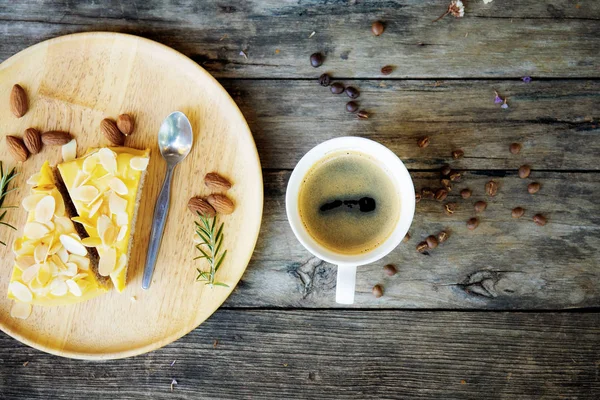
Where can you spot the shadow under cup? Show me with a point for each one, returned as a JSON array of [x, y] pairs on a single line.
[[347, 263]]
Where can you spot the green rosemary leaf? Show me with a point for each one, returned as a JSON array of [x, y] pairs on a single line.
[[204, 255], [220, 261], [7, 224], [220, 284], [212, 239]]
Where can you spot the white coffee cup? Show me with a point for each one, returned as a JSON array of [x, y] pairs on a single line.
[[391, 164]]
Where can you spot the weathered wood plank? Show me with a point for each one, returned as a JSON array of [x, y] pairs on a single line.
[[509, 38], [558, 122], [503, 264], [335, 354]]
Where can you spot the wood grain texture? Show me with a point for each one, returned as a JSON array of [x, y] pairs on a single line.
[[503, 264], [73, 83], [557, 122], [328, 354], [511, 38]]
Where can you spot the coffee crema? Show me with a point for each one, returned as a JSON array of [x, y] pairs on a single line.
[[348, 203]]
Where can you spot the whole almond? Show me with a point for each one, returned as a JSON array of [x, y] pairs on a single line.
[[125, 124], [111, 131], [221, 203], [215, 181], [18, 101], [17, 148], [56, 138], [33, 140], [199, 205]]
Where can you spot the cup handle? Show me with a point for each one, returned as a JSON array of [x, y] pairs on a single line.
[[346, 284]]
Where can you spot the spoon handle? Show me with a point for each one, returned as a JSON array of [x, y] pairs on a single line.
[[158, 225]]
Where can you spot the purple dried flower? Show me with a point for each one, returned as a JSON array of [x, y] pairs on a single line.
[[526, 79], [497, 99]]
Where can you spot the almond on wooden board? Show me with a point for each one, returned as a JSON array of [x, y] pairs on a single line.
[[215, 181], [33, 140], [125, 124], [18, 101], [111, 131], [221, 203], [199, 205], [17, 148], [56, 138]]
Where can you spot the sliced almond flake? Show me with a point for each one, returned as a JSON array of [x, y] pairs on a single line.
[[45, 273], [30, 202], [71, 269], [26, 249], [73, 245], [40, 253], [37, 288], [20, 310], [80, 179], [102, 224], [69, 151], [50, 225], [33, 179], [99, 195], [63, 254], [85, 193], [55, 247], [58, 287], [103, 177], [57, 263], [73, 287], [83, 263], [122, 219], [108, 260], [108, 160], [95, 207], [122, 233], [121, 264], [110, 235], [30, 273], [83, 221], [63, 224], [117, 185], [91, 242], [139, 163], [89, 164], [20, 291], [59, 211], [81, 275], [35, 230], [116, 204], [44, 210]]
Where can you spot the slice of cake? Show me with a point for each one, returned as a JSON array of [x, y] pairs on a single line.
[[52, 267], [105, 185]]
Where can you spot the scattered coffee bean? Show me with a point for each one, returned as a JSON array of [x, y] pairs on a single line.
[[491, 188], [518, 212], [337, 88], [465, 193], [423, 141], [388, 69], [432, 242], [455, 176], [450, 208], [377, 28], [524, 171], [446, 184], [472, 223], [377, 291], [427, 193], [539, 219], [480, 206], [362, 114], [533, 187], [421, 247], [417, 197], [446, 170], [316, 60], [390, 270], [441, 194], [324, 80], [456, 154], [406, 237], [351, 107], [442, 236], [352, 92], [515, 148]]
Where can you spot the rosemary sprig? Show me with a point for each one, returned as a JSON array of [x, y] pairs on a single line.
[[5, 179], [210, 249]]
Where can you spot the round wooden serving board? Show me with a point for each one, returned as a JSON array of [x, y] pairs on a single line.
[[75, 81]]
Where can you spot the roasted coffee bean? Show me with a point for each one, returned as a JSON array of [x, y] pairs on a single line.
[[388, 69], [515, 148], [377, 291], [352, 92], [390, 270], [441, 194], [423, 141], [456, 154], [455, 176], [337, 88], [472, 223], [480, 206], [450, 208], [421, 247], [316, 59], [465, 193], [427, 193], [446, 170], [377, 28], [351, 107], [442, 237], [524, 171], [518, 212], [539, 219], [362, 114], [446, 184], [406, 237], [432, 242], [324, 80], [533, 187], [491, 188]]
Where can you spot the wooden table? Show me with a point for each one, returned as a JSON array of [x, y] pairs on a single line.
[[506, 311]]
